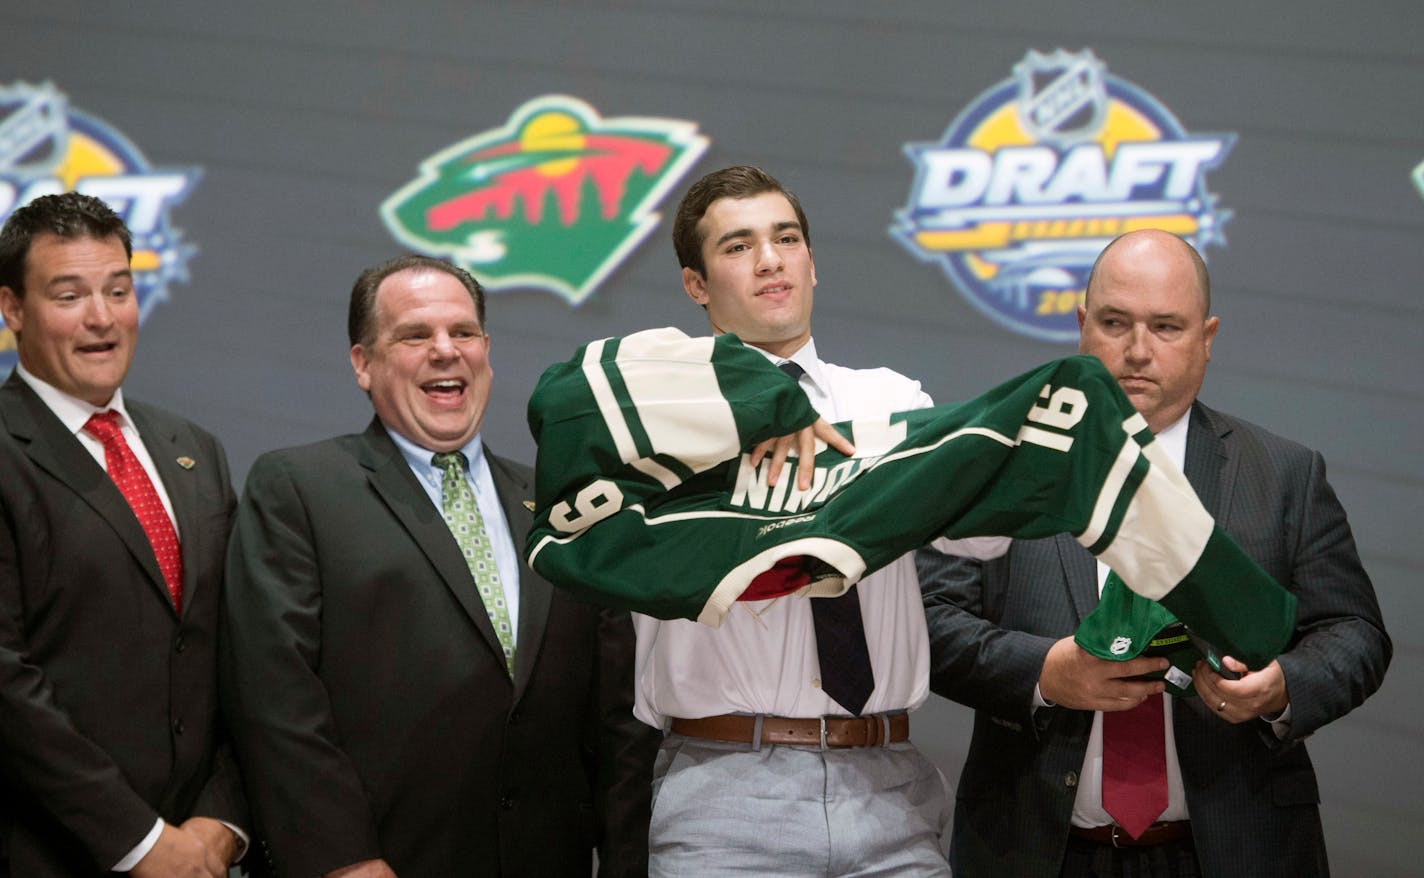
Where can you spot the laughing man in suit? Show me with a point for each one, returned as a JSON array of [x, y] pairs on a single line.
[[1240, 792], [111, 553], [409, 702]]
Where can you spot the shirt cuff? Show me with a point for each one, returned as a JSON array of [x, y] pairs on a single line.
[[141, 849], [1280, 724], [242, 842], [1039, 700]]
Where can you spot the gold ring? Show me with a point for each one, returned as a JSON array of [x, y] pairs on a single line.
[[1220, 707]]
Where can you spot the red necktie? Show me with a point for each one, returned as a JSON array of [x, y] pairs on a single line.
[[1135, 765], [133, 482]]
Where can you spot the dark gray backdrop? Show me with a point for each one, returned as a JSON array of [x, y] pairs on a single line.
[[305, 116]]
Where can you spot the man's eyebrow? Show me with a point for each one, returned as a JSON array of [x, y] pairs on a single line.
[[743, 233], [734, 233], [74, 278], [1116, 311]]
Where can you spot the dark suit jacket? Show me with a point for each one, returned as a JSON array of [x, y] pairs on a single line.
[[369, 697], [1252, 798], [108, 701]]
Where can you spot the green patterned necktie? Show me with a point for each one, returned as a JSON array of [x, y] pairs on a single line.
[[462, 514]]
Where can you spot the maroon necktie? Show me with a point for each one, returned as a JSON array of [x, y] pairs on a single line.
[[133, 482], [1135, 765]]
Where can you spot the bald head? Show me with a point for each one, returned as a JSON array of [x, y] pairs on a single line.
[[1154, 244], [1145, 317]]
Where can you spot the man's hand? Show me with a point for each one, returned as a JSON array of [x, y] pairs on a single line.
[[804, 441], [179, 853], [217, 837], [1254, 694], [363, 869], [1072, 677]]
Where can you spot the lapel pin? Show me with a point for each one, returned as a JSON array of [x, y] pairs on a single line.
[[186, 462], [529, 504]]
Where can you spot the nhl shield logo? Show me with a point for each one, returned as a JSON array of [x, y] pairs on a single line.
[[1120, 645], [1062, 96], [33, 128], [555, 199]]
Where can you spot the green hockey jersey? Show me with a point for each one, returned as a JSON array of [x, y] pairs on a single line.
[[646, 498]]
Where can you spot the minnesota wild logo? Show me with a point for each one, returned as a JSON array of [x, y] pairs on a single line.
[[553, 200]]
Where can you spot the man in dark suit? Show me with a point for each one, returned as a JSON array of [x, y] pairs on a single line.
[[404, 703], [110, 572], [1240, 792]]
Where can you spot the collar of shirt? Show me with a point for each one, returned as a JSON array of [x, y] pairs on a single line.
[[420, 460], [1174, 440], [810, 364], [73, 412]]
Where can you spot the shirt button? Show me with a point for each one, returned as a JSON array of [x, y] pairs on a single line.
[[816, 682], [1070, 779]]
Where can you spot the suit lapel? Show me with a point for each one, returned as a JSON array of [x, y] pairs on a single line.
[[1080, 571], [181, 485], [534, 592], [56, 451], [392, 480], [1207, 466]]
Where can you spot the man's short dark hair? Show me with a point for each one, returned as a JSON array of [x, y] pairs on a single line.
[[68, 215], [361, 315], [740, 181]]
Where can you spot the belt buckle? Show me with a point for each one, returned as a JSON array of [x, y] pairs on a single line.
[[1115, 828], [823, 733]]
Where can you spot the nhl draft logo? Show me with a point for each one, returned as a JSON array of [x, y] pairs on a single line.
[[48, 147], [1039, 173], [554, 200]]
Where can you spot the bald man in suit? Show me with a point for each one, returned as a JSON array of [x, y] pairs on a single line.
[[1241, 794]]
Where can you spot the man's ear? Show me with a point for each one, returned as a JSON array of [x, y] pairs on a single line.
[[12, 307], [360, 364], [695, 285]]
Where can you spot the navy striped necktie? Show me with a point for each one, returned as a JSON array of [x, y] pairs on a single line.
[[846, 674]]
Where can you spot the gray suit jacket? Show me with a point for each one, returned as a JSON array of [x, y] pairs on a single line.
[[108, 698], [368, 693], [1252, 798]]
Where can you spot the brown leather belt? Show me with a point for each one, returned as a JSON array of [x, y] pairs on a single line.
[[876, 730], [1157, 833]]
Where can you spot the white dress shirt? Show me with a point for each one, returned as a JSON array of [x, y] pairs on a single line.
[[762, 660]]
